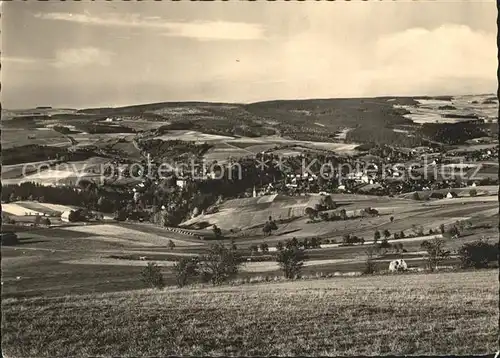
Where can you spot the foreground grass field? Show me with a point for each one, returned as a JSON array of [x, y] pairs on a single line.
[[444, 313]]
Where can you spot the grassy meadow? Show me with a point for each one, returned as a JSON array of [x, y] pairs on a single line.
[[446, 313]]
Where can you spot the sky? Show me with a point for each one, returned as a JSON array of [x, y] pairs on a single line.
[[90, 54]]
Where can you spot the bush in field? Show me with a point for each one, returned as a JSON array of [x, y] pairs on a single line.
[[217, 232], [370, 267], [254, 249], [152, 276], [184, 269], [376, 236], [392, 218], [473, 192], [478, 254], [324, 216], [279, 246], [385, 245], [452, 232], [416, 196], [442, 228], [436, 252], [219, 264], [315, 243], [264, 247], [343, 214], [387, 233], [312, 213], [290, 259]]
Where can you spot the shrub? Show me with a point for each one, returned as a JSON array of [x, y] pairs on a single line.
[[217, 232], [290, 259], [370, 267], [264, 247], [152, 276], [387, 233], [254, 249], [435, 252], [171, 245], [478, 254], [376, 236], [452, 232], [219, 265], [312, 213], [473, 192], [184, 269], [324, 216]]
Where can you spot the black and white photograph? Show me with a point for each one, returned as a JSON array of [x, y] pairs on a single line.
[[249, 178]]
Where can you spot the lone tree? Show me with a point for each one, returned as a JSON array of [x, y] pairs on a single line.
[[385, 245], [171, 245], [343, 214], [402, 234], [184, 269], [217, 232], [269, 226], [326, 203], [254, 249], [290, 259], [392, 218], [376, 236], [370, 266], [473, 192], [436, 252], [442, 228], [279, 246], [312, 213], [219, 264], [387, 233], [264, 247], [452, 232], [152, 276]]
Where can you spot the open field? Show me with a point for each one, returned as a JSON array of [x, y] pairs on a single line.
[[433, 110], [16, 137], [250, 214], [341, 316]]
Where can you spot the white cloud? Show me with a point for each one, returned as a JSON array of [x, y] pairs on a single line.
[[206, 30], [84, 56], [420, 60], [19, 60]]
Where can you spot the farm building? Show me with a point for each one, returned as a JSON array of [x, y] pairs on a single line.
[[65, 216]]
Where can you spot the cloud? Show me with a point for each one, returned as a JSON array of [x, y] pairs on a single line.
[[79, 57], [200, 30], [425, 61], [19, 60]]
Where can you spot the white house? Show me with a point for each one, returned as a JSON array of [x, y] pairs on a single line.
[[65, 216], [180, 183], [450, 195]]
